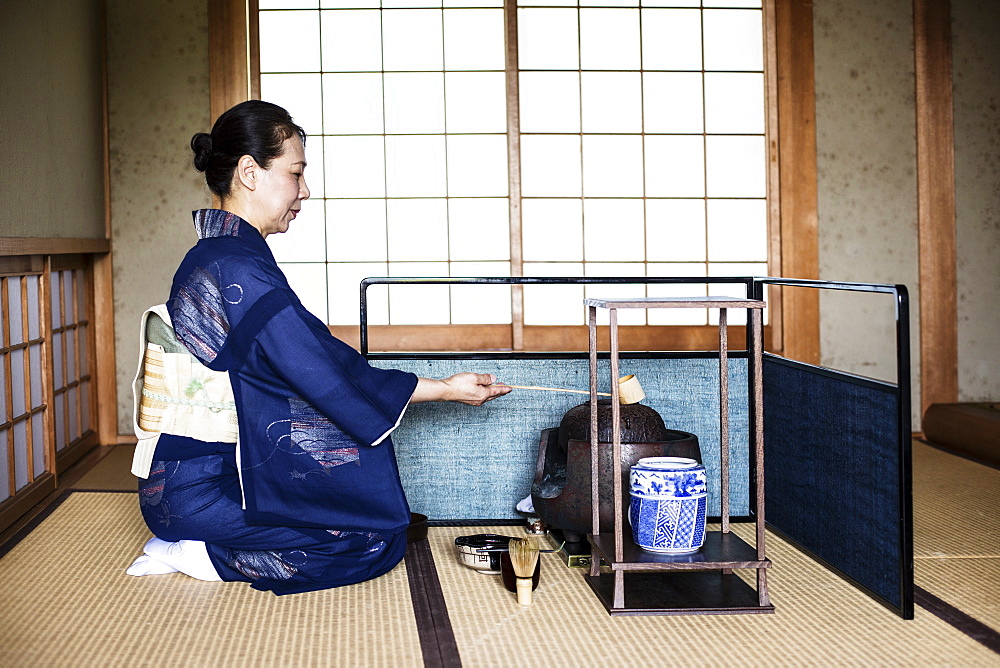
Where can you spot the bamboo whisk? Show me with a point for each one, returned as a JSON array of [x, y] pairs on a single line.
[[523, 557]]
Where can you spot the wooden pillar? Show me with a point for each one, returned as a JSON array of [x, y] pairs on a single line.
[[796, 152], [936, 202]]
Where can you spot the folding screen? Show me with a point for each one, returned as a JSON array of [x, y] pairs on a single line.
[[837, 462]]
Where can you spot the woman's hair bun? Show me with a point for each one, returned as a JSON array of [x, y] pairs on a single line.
[[201, 144]]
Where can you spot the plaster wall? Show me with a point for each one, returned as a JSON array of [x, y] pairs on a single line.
[[51, 111], [158, 98], [975, 25], [867, 188]]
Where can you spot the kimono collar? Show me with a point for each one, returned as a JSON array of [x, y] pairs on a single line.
[[211, 223]]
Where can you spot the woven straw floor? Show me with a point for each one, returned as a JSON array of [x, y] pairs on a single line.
[[65, 600]]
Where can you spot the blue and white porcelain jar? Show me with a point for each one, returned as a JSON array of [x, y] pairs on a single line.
[[668, 500]]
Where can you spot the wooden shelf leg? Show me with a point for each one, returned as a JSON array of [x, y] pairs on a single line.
[[619, 601], [762, 597]]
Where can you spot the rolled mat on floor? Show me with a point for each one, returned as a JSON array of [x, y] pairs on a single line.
[[971, 429]]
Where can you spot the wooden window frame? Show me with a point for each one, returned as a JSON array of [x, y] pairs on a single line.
[[792, 193]]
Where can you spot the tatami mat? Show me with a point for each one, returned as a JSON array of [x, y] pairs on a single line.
[[956, 545], [65, 601], [819, 620], [955, 505]]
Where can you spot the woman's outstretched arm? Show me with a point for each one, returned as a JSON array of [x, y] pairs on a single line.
[[474, 389]]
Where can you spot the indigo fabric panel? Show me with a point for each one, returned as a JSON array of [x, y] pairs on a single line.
[[833, 471], [463, 462]]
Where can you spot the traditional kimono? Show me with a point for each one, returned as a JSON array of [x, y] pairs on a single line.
[[309, 498]]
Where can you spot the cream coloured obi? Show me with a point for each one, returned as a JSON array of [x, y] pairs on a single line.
[[174, 393]]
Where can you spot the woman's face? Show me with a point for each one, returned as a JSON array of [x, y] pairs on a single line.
[[282, 189]]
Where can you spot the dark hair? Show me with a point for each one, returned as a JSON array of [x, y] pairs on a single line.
[[253, 128]]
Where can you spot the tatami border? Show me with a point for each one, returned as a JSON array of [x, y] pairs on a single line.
[[437, 638]]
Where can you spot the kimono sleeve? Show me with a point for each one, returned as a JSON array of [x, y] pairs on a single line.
[[364, 401]]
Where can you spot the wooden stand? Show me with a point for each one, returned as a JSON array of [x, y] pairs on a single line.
[[702, 582]]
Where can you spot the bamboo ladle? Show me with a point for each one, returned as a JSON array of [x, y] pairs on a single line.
[[629, 390]]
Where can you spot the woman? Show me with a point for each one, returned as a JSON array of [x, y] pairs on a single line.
[[311, 497]]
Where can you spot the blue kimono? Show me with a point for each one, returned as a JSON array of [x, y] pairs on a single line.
[[311, 497]]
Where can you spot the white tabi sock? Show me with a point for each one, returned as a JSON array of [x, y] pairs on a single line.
[[146, 565], [187, 556]]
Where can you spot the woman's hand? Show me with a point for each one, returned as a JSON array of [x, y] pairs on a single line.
[[474, 389]]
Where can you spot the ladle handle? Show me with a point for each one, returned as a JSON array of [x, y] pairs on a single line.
[[554, 389]]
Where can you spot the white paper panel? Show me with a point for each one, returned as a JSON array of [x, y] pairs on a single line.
[[345, 293], [671, 39], [57, 361], [72, 415], [71, 370], [614, 231], [278, 30], [552, 229], [352, 41], [36, 370], [4, 417], [60, 421], [737, 230], [412, 40], [287, 4], [299, 94], [550, 101], [17, 382], [83, 334], [612, 102], [37, 445], [417, 230], [473, 39], [4, 465], [20, 454], [68, 295], [415, 166], [418, 304], [734, 103], [675, 166], [672, 102], [735, 166], [355, 166], [34, 314], [734, 40], [352, 103], [477, 165], [355, 230], [414, 102], [14, 310], [548, 39], [609, 39], [675, 230], [479, 229], [550, 166], [612, 166], [85, 388], [474, 102], [480, 304], [55, 285]]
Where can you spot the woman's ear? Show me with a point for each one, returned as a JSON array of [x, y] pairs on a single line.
[[248, 172]]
